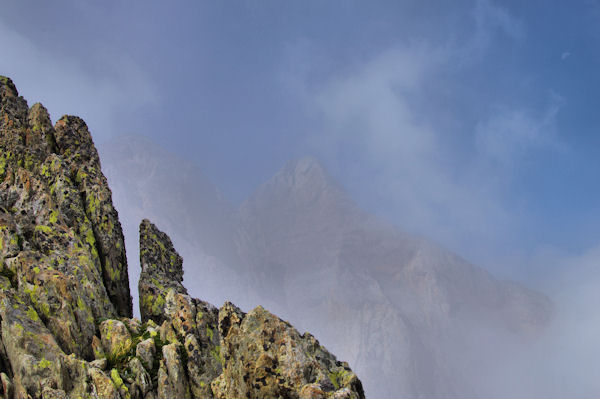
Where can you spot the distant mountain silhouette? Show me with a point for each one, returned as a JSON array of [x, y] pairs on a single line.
[[410, 317]]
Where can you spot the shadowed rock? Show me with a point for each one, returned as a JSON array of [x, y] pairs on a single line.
[[48, 246], [162, 271], [75, 144]]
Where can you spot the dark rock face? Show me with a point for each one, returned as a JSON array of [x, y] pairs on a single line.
[[74, 143], [65, 306], [162, 269]]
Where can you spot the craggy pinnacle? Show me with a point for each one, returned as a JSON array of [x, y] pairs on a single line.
[[47, 243], [61, 166], [162, 269], [75, 144], [254, 355], [65, 308]]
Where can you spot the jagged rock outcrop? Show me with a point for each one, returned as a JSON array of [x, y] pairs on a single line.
[[56, 280], [254, 355], [149, 182], [74, 143], [65, 306]]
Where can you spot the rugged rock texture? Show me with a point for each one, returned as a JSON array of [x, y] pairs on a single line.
[[50, 253], [74, 143], [65, 308], [229, 354], [162, 271]]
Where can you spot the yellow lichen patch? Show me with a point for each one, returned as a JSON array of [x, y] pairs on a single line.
[[81, 304], [93, 203], [216, 354], [158, 305], [90, 239], [338, 378], [119, 384], [3, 160], [113, 272], [45, 171], [53, 216], [80, 176], [44, 363], [32, 314], [43, 229]]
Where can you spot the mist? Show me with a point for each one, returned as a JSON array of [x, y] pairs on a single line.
[[487, 357], [443, 233]]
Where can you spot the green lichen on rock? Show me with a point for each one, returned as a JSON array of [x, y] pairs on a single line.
[[253, 355], [267, 357], [65, 309], [75, 144], [41, 243], [55, 277], [162, 271], [116, 340]]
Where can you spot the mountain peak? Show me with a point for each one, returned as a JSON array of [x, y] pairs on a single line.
[[306, 174], [303, 182], [304, 164], [303, 167], [7, 87]]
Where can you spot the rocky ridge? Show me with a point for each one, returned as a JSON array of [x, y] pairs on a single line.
[[66, 316]]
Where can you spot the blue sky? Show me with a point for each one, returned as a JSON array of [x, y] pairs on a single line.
[[471, 122]]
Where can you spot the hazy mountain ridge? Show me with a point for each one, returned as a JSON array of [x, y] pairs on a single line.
[[312, 229], [403, 321]]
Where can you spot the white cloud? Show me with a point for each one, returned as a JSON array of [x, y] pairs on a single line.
[[510, 133], [564, 361], [378, 121], [374, 112], [490, 19], [453, 196], [371, 110], [565, 55]]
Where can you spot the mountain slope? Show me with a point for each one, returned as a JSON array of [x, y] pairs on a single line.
[[403, 302], [414, 319]]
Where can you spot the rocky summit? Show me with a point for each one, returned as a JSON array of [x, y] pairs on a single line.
[[66, 312]]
